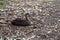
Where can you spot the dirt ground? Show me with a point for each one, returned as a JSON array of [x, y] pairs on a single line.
[[45, 20]]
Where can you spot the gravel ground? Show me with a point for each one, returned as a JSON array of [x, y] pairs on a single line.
[[45, 20]]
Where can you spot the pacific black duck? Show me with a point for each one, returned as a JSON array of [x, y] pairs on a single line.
[[21, 22]]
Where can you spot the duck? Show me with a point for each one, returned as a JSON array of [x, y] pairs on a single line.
[[21, 22]]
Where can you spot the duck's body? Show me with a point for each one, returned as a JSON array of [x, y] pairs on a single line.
[[20, 22]]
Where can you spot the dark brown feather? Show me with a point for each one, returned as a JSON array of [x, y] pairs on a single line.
[[21, 22]]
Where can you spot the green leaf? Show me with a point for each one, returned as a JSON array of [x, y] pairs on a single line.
[[1, 3]]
